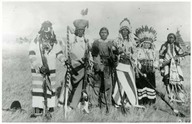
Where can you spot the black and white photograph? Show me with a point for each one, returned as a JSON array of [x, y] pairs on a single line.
[[96, 61]]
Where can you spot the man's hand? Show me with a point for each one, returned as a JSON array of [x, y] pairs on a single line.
[[101, 67], [44, 70], [139, 65], [71, 62], [116, 63], [37, 67], [162, 72], [67, 62], [156, 64]]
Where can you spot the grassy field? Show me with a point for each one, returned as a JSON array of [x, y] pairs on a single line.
[[16, 85]]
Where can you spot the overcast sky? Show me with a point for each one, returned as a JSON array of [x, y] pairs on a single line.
[[25, 18]]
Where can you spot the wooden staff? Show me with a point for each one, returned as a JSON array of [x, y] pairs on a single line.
[[67, 76], [46, 82], [161, 95]]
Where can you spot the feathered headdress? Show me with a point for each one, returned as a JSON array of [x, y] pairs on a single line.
[[125, 24], [145, 34]]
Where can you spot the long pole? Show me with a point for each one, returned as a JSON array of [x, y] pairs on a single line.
[[46, 113], [161, 96], [67, 76]]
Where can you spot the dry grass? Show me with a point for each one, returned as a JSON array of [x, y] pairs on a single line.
[[16, 85]]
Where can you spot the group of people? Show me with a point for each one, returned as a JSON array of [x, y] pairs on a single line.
[[120, 72]]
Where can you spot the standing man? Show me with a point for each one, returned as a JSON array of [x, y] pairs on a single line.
[[170, 55], [78, 46], [146, 57], [42, 54], [102, 57], [125, 75]]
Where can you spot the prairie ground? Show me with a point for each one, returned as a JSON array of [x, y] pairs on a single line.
[[16, 85]]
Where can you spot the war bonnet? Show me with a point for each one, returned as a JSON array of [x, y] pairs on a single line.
[[125, 24], [145, 34]]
